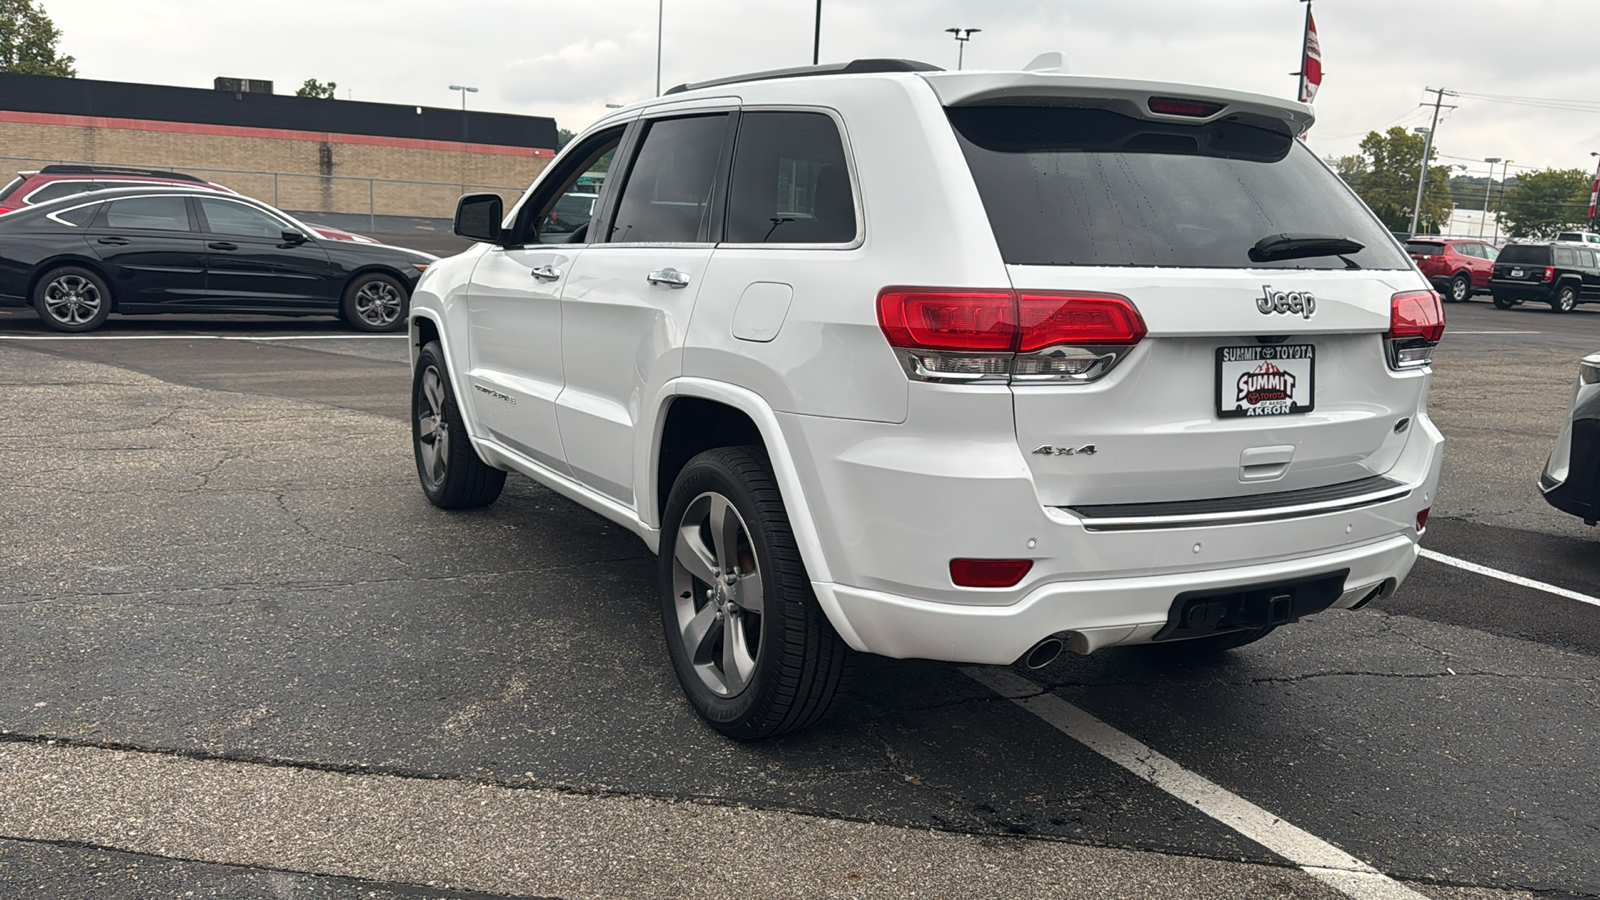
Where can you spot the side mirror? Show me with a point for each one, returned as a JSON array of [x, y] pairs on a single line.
[[293, 237], [478, 217]]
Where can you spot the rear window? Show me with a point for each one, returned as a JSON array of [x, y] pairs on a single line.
[[1531, 254], [1091, 187], [1426, 248], [11, 188]]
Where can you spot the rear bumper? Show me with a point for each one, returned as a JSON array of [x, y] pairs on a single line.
[[1570, 481], [1522, 290], [1095, 614]]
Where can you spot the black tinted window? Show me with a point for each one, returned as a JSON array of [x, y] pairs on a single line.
[[1090, 187], [154, 213], [1426, 248], [1531, 254], [228, 217], [57, 189], [79, 216], [669, 187], [1586, 259], [1566, 256], [790, 183]]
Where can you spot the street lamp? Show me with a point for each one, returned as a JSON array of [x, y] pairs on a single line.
[[464, 92], [962, 35], [1484, 222], [661, 9]]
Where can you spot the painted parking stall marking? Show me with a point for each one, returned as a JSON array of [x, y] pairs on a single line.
[[1316, 857], [1509, 578]]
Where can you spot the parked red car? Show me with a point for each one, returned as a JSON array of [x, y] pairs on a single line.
[[1458, 268], [50, 182]]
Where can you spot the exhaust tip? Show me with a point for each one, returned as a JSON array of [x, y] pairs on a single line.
[[1043, 653]]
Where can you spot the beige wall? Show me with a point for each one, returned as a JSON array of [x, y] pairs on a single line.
[[302, 162]]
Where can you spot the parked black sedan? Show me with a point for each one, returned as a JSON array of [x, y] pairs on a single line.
[[141, 251]]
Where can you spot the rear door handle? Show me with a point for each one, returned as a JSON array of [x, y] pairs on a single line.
[[547, 273], [222, 245], [115, 241], [670, 277]]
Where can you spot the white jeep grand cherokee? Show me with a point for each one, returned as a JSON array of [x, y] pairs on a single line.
[[968, 366]]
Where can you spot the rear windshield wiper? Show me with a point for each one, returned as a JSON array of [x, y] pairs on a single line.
[[1304, 246]]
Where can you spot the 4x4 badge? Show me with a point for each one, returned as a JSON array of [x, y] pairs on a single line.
[[1286, 302], [1047, 450]]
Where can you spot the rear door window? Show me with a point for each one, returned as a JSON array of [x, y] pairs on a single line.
[[1073, 186], [790, 183], [667, 195], [1566, 256], [148, 214]]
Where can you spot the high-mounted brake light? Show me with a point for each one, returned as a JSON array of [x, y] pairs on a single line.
[[957, 335], [1174, 106], [1416, 325]]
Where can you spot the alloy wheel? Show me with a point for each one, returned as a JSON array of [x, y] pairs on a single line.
[[718, 594], [378, 303], [1460, 289], [433, 431], [72, 300]]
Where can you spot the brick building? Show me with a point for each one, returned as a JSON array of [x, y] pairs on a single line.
[[323, 151]]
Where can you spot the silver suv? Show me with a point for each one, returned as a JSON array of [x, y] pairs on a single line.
[[969, 366]]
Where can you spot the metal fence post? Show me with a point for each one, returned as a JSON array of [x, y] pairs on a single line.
[[275, 189], [372, 207]]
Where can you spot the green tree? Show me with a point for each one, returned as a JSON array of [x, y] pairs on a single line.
[[28, 41], [1384, 175], [563, 138], [1540, 204], [315, 88]]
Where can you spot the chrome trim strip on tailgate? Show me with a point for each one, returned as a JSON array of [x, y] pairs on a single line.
[[1239, 510]]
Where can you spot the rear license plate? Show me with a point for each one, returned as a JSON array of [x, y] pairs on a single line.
[[1516, 273], [1266, 380]]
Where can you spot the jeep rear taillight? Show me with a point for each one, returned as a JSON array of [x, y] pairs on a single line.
[[1007, 336], [1416, 325], [1549, 273]]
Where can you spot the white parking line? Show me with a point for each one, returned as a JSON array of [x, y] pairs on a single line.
[[201, 337], [1510, 578], [1316, 857]]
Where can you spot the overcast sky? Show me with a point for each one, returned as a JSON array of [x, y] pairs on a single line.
[[568, 59]]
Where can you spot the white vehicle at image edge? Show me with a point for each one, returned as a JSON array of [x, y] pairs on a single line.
[[969, 366]]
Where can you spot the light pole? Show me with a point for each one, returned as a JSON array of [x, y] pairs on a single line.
[[464, 92], [962, 35], [816, 43], [1484, 222], [661, 9]]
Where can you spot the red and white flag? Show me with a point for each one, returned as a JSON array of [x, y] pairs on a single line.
[[1311, 64]]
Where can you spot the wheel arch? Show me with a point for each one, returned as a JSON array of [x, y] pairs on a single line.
[[426, 325], [380, 268], [696, 414], [93, 265]]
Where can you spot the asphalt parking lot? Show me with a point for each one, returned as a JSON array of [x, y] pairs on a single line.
[[245, 657]]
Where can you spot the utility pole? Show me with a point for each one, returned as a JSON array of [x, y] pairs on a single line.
[[816, 43], [661, 8], [1427, 151], [1505, 172], [962, 35], [1484, 222]]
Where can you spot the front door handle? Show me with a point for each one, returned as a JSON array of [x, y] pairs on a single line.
[[115, 241], [222, 245], [670, 277], [547, 273]]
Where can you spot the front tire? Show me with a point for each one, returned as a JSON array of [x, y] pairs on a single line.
[[375, 302], [1566, 299], [753, 651], [72, 299], [452, 475], [1460, 288]]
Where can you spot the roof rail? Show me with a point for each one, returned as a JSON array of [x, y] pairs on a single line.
[[854, 67], [119, 170]]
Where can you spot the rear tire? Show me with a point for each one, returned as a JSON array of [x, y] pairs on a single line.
[[1503, 302], [72, 299], [375, 302], [1460, 288], [1566, 299], [452, 475], [753, 651]]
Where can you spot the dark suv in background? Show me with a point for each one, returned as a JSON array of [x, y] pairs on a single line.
[[1560, 274], [1458, 269]]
